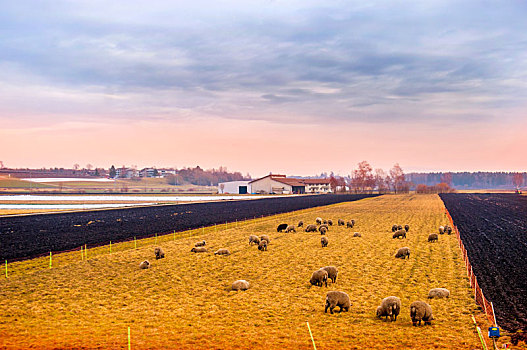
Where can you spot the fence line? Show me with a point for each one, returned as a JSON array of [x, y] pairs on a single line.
[[479, 297], [167, 236]]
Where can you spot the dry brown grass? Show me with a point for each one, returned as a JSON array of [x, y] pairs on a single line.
[[182, 302]]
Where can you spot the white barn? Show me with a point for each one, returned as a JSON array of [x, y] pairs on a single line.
[[234, 187]]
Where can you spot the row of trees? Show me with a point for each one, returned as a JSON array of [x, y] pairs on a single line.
[[364, 179], [211, 177], [480, 179]]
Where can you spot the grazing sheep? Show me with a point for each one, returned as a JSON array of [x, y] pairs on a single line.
[[200, 244], [240, 285], [433, 237], [330, 222], [394, 228], [332, 272], [340, 299], [406, 228], [340, 222], [265, 238], [318, 221], [419, 310], [448, 230], [290, 228], [319, 277], [323, 230], [324, 241], [281, 227], [357, 234], [325, 226], [311, 228], [263, 245], [403, 253], [159, 252], [438, 293], [399, 227], [254, 239], [144, 265], [199, 250], [390, 306], [441, 230], [399, 234], [222, 251], [349, 224], [325, 222], [300, 224], [353, 222]]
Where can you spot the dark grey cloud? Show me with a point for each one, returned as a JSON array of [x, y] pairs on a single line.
[[344, 61]]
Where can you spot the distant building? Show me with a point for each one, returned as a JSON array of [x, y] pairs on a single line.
[[234, 187], [281, 184], [126, 173], [317, 185]]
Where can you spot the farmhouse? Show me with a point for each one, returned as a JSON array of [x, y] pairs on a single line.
[[234, 187], [317, 185], [278, 184]]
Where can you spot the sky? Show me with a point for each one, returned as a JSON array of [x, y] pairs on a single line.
[[292, 87]]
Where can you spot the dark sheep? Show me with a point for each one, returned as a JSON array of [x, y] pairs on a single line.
[[341, 222], [263, 245], [159, 253], [323, 226], [448, 230], [406, 228], [399, 234], [200, 244], [324, 241], [311, 228], [349, 224], [319, 277], [403, 253], [336, 298], [419, 310], [390, 306], [433, 237], [332, 273], [394, 228], [399, 227], [281, 227], [325, 222], [300, 224], [330, 222], [323, 230], [357, 234]]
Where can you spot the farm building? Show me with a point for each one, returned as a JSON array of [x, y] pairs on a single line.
[[234, 187], [277, 184], [317, 185]]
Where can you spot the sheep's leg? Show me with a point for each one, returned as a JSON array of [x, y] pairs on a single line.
[[326, 308]]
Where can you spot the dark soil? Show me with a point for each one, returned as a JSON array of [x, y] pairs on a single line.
[[493, 228], [27, 236]]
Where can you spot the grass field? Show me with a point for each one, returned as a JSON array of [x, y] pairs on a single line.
[[183, 301]]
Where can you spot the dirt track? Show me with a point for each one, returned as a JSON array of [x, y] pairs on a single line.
[[493, 228], [33, 235]]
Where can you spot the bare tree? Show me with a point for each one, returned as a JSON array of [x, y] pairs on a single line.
[[89, 166], [381, 181], [76, 166], [398, 178], [363, 178], [222, 187]]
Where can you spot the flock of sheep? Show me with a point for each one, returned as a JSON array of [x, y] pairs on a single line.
[[390, 306]]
